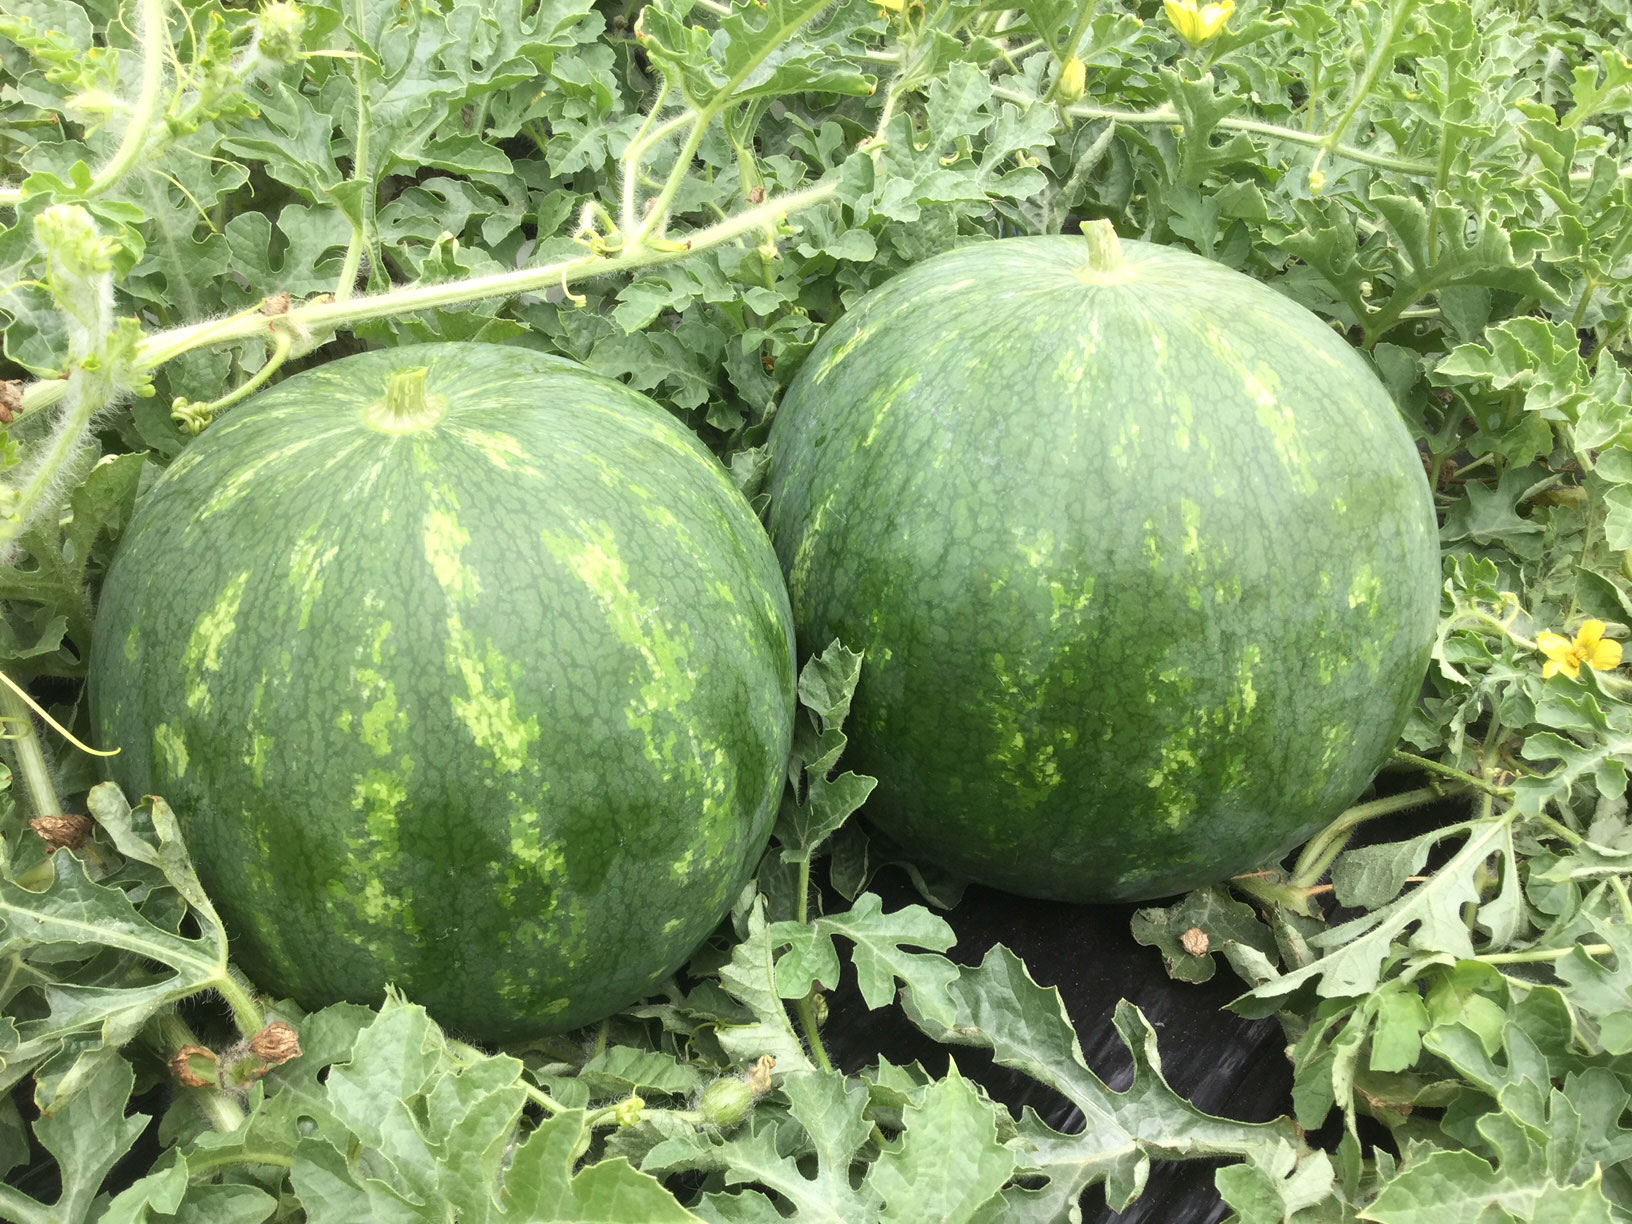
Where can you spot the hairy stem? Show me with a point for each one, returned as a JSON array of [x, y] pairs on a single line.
[[469, 1055], [169, 1034], [154, 37], [204, 1162], [195, 417], [608, 1115], [246, 1013], [1542, 955], [18, 1208], [1449, 771], [88, 394], [167, 345], [657, 215], [1326, 845], [806, 1007], [1617, 885], [1560, 830], [1164, 115], [634, 155], [347, 284], [1085, 16], [29, 755], [1382, 56]]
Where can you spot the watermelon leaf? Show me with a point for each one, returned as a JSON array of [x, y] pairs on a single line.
[[1600, 994], [828, 682], [999, 1007], [948, 1164], [821, 800], [732, 62], [621, 1070], [407, 1127], [170, 1193], [1359, 947], [1278, 1182], [826, 1119], [751, 978], [880, 955], [139, 925], [1207, 924], [85, 1127], [542, 1187]]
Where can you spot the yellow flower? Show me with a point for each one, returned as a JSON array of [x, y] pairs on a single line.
[[1073, 79], [1590, 647], [1197, 25]]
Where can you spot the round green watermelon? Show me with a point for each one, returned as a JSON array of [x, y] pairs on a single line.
[[466, 670], [1141, 557]]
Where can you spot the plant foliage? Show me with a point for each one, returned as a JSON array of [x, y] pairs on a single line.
[[198, 197]]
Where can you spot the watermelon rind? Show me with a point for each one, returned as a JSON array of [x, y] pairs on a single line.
[[1140, 555], [491, 703]]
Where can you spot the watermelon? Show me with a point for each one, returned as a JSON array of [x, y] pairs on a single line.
[[1142, 559], [467, 671]]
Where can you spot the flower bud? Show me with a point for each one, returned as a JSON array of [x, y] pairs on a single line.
[[629, 1111], [64, 831], [1073, 79], [280, 26], [729, 1100]]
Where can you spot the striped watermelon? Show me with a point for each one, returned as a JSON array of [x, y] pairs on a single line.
[[467, 670], [1141, 556]]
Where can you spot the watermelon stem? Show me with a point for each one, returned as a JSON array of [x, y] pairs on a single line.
[[406, 407], [1326, 845], [1448, 771], [236, 994], [28, 754], [806, 1007], [1104, 247], [1105, 264]]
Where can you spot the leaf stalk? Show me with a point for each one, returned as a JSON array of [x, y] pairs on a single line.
[[18, 1208], [29, 754], [154, 38], [1450, 771], [1326, 845], [806, 1007], [1166, 115]]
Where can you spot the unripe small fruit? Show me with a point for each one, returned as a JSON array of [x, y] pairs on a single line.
[[727, 1102]]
